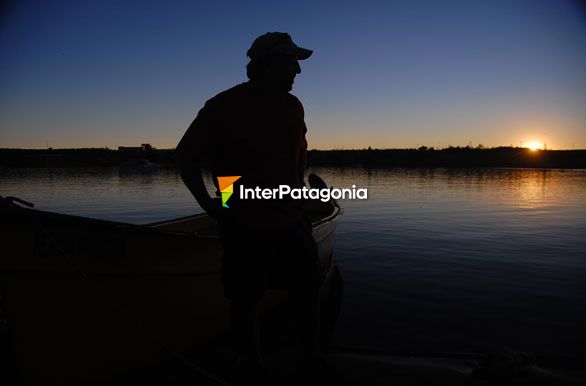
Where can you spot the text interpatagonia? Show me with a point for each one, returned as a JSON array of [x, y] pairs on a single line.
[[324, 194]]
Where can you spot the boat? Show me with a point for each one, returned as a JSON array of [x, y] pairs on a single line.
[[88, 300]]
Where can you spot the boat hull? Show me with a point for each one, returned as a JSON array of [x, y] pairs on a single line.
[[88, 300]]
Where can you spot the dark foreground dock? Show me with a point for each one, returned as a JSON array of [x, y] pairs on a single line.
[[365, 366], [214, 364]]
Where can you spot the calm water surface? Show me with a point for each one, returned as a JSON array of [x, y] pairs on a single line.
[[435, 259]]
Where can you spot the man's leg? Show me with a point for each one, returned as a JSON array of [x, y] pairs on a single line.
[[243, 281], [307, 280], [244, 322], [306, 305]]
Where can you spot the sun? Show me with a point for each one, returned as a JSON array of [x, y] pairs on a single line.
[[534, 146]]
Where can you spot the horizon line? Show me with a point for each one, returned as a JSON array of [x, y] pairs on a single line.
[[422, 148]]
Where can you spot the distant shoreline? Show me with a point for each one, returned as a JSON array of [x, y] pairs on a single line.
[[460, 157]]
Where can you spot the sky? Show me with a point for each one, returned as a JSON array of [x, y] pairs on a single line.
[[385, 74]]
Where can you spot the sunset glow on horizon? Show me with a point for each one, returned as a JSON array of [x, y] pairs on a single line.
[[383, 74], [534, 146]]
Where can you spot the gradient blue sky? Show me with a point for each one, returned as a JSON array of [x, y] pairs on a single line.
[[386, 74]]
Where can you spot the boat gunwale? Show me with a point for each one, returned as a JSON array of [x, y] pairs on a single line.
[[112, 223], [337, 211]]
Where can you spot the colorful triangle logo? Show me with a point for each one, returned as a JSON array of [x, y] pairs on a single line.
[[227, 188]]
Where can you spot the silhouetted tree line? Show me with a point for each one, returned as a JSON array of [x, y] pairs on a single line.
[[420, 157], [450, 157], [82, 157]]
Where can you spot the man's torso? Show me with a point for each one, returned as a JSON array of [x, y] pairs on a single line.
[[261, 139]]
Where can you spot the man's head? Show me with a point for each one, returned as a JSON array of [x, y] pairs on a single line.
[[274, 61]]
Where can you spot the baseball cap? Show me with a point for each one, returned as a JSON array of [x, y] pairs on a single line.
[[276, 42]]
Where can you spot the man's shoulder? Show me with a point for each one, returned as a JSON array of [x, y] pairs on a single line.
[[293, 99], [230, 95], [244, 92], [295, 102]]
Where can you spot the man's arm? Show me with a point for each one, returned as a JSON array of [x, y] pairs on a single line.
[[302, 166], [303, 148], [188, 157], [192, 175]]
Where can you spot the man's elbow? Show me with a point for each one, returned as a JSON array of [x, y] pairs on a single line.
[[186, 165], [182, 156], [179, 157]]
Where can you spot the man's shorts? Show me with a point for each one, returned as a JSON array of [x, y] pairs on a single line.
[[256, 260]]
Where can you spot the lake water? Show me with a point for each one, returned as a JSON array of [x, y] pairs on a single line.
[[435, 259]]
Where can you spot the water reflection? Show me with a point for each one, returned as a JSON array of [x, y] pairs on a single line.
[[438, 259], [519, 188]]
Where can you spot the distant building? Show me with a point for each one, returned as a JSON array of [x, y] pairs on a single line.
[[143, 148]]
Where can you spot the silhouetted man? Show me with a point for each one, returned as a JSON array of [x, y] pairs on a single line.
[[256, 130]]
